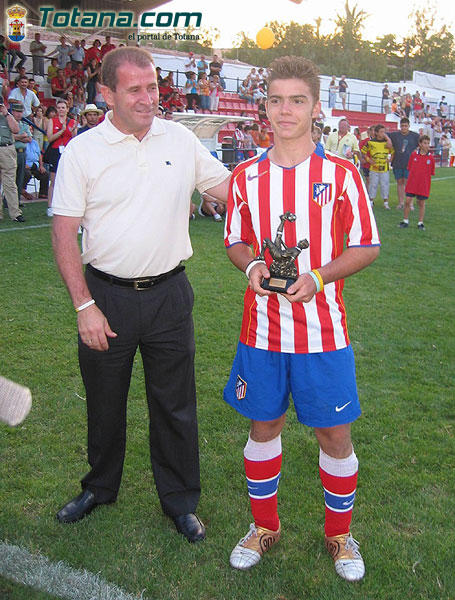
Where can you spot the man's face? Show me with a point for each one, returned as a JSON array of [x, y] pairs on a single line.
[[404, 128], [76, 43], [343, 127], [17, 113], [37, 37], [92, 118], [108, 39], [290, 108], [23, 83], [62, 39], [135, 100]]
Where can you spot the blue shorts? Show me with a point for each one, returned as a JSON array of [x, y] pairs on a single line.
[[400, 173], [322, 385]]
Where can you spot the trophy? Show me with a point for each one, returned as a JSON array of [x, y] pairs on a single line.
[[283, 270]]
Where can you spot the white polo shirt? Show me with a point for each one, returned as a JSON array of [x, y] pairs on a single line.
[[30, 100], [134, 196]]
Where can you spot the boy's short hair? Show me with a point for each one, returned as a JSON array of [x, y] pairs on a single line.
[[296, 67], [423, 138], [378, 127], [404, 120]]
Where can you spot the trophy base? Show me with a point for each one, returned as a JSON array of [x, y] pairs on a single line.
[[277, 284]]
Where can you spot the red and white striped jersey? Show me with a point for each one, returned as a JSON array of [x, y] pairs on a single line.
[[329, 199]]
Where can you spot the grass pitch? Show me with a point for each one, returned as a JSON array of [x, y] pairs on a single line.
[[401, 316]]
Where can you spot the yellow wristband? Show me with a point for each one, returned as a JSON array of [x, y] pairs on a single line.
[[318, 275]]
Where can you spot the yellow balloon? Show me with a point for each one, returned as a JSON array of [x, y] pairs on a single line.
[[265, 38]]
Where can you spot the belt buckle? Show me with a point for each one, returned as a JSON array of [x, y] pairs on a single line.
[[137, 284]]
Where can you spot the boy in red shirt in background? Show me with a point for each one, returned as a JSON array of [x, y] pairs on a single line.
[[421, 167]]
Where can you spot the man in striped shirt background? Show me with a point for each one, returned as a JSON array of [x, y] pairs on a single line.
[[297, 342]]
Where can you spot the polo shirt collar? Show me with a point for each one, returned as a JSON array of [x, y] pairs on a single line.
[[113, 135]]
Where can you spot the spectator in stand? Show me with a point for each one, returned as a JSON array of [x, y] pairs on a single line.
[[255, 133], [69, 71], [8, 164], [407, 105], [245, 92], [14, 51], [34, 168], [32, 86], [221, 75], [404, 143], [204, 92], [202, 66], [168, 115], [248, 143], [210, 206], [421, 167], [386, 99], [239, 141], [21, 139], [262, 78], [166, 89], [191, 90], [377, 153], [77, 55], [343, 90], [38, 50], [357, 133], [63, 51], [158, 76], [262, 112], [59, 86], [343, 143], [93, 73], [316, 135], [417, 108], [21, 93], [52, 70], [190, 65], [446, 146], [215, 67], [39, 120], [333, 89], [437, 133], [99, 98], [258, 92], [442, 108], [60, 131], [93, 53], [92, 116], [106, 47], [215, 91], [325, 133], [81, 78], [319, 121], [3, 54], [79, 100]]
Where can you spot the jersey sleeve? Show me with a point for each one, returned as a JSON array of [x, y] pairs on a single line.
[[359, 222], [238, 228], [70, 193]]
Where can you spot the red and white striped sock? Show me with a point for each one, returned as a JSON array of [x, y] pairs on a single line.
[[263, 470], [339, 480]]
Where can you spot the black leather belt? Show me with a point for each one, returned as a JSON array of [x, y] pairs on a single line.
[[139, 283], [7, 144]]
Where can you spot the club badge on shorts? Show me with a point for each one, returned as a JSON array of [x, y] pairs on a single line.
[[322, 193], [240, 388]]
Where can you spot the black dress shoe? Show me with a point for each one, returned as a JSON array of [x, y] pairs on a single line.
[[191, 526], [77, 508], [19, 219]]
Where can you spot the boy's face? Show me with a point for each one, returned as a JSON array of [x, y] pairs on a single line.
[[380, 134], [291, 108], [424, 146]]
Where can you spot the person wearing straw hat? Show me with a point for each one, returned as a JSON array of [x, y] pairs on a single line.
[[92, 116]]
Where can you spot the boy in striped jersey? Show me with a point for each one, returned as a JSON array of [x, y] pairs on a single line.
[[297, 342]]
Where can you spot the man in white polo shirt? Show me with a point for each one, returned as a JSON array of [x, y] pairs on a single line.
[[135, 292]]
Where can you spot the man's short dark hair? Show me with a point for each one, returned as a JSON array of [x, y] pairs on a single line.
[[22, 77], [404, 120], [296, 67], [114, 59]]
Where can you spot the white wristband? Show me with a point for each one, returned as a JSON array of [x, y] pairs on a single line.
[[316, 281], [251, 265], [85, 305]]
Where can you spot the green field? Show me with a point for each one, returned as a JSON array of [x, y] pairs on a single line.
[[401, 320]]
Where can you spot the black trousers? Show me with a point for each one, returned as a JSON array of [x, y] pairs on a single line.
[[43, 179], [159, 322]]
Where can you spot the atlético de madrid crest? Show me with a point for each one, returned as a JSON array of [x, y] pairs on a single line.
[[322, 193], [240, 388]]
